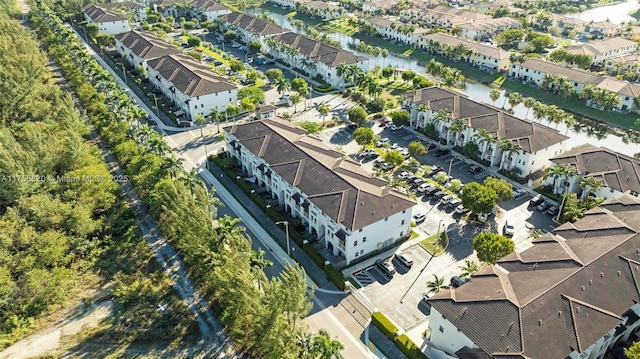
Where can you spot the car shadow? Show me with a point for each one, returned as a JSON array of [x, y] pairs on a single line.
[[400, 268]]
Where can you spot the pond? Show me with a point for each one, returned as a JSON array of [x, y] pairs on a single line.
[[616, 13], [475, 91]]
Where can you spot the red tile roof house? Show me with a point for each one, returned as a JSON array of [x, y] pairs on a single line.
[[351, 213], [574, 294]]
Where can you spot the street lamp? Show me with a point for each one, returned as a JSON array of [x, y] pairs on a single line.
[[286, 228], [155, 99], [124, 74], [564, 198], [449, 171]]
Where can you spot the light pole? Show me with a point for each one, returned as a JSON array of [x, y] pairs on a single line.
[[449, 171], [286, 228], [155, 99], [124, 74]]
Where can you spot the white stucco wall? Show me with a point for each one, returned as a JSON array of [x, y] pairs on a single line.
[[446, 336]]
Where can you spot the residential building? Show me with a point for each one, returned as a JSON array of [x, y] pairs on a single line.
[[137, 10], [250, 28], [621, 64], [376, 6], [208, 9], [109, 22], [289, 4], [321, 9], [488, 6], [315, 57], [600, 50], [266, 111], [191, 86], [618, 174], [138, 47], [428, 18], [573, 294], [486, 28], [351, 213], [503, 140], [600, 29], [563, 23], [398, 31], [485, 57], [533, 70]]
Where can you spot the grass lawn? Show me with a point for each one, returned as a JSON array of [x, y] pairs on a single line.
[[397, 88], [414, 234], [339, 25], [433, 245]]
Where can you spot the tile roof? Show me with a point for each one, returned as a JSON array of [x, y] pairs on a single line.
[[190, 76], [100, 14], [614, 170], [548, 302], [336, 185], [490, 24], [457, 12], [146, 45], [385, 23], [318, 50], [208, 5], [252, 24], [576, 75], [599, 47], [478, 48], [129, 5], [529, 136]]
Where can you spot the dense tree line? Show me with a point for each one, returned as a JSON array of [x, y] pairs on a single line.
[[60, 214], [264, 316]]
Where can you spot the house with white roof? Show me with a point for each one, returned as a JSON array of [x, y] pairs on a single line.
[[600, 29], [618, 174], [485, 57], [138, 47], [348, 211], [191, 86], [486, 28], [601, 50], [533, 70], [315, 57], [621, 64], [503, 140], [398, 31], [109, 22]]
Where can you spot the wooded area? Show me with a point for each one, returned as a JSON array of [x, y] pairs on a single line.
[[263, 316]]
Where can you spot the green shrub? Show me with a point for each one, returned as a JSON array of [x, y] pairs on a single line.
[[409, 348], [273, 214], [323, 89], [315, 256], [380, 321], [335, 275], [257, 199]]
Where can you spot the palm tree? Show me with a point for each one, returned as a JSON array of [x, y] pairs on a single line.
[[507, 148], [323, 110], [515, 98], [494, 95], [589, 185], [457, 126], [258, 263], [483, 138], [468, 268], [326, 347], [174, 165], [570, 121], [157, 145], [282, 85], [200, 120], [216, 116], [529, 103], [191, 180], [540, 110], [437, 284], [231, 111], [561, 171]]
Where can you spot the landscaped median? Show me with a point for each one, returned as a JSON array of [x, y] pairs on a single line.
[[402, 341], [436, 244]]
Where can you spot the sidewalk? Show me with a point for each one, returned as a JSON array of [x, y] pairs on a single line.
[[276, 231]]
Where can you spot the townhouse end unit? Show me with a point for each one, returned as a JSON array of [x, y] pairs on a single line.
[[351, 213], [109, 22]]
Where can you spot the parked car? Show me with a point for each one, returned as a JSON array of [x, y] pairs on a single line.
[[431, 190], [435, 169], [368, 152], [423, 187], [403, 174], [395, 146], [461, 209], [418, 181], [419, 218], [386, 166], [410, 178], [543, 206], [475, 169], [442, 152], [509, 228], [440, 194], [553, 210], [351, 126], [457, 281], [517, 192], [383, 141], [428, 294], [429, 145], [536, 201], [386, 267], [404, 259], [378, 162], [446, 199], [454, 203]]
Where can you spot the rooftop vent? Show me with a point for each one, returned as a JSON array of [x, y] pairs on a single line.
[[582, 288], [559, 313], [539, 322], [601, 274], [619, 273], [590, 281]]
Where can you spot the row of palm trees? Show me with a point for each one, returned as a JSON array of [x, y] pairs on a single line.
[[363, 80], [561, 174]]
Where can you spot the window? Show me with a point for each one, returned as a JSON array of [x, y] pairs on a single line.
[[356, 254], [441, 329], [401, 233], [405, 211], [402, 222], [355, 243], [386, 219], [361, 251], [364, 239], [360, 230]]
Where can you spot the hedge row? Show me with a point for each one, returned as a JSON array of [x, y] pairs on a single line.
[[402, 341], [335, 275]]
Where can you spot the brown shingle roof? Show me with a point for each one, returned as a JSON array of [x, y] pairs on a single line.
[[569, 293], [337, 186], [613, 169], [208, 5], [146, 45], [594, 48], [252, 24], [189, 76], [318, 50], [129, 5], [485, 50], [100, 15], [529, 136]]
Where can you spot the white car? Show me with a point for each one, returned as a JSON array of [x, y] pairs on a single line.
[[419, 218], [395, 146], [383, 141], [461, 209], [509, 229], [428, 294], [403, 174], [404, 259], [446, 199], [517, 192], [425, 186]]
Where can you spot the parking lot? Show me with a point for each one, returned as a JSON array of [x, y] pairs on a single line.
[[401, 297]]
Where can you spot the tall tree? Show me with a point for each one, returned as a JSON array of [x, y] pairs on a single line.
[[491, 246]]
